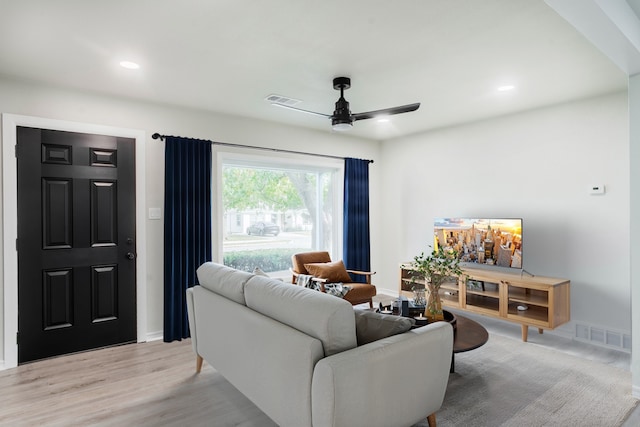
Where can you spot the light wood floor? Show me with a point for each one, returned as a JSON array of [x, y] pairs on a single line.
[[149, 384], [154, 384]]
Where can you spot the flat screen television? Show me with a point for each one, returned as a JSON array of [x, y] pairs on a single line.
[[481, 241]]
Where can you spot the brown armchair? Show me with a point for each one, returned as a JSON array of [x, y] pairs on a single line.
[[325, 271]]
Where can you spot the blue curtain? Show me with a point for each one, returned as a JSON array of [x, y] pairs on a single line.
[[187, 226], [356, 250]]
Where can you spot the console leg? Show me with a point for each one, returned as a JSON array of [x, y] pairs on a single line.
[[431, 419], [540, 330], [199, 361], [525, 333]]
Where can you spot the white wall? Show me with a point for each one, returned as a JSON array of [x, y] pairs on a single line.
[[536, 165], [34, 100], [634, 124]]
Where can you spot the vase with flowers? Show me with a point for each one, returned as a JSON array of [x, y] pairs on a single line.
[[435, 269]]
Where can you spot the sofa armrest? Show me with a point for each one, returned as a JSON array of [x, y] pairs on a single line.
[[364, 273], [368, 274], [397, 381]]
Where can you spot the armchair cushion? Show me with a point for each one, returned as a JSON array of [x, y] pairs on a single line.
[[372, 326], [300, 259], [333, 272]]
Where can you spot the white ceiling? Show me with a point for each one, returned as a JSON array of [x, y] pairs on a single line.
[[228, 55]]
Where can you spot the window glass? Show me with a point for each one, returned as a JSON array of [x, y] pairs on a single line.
[[271, 208]]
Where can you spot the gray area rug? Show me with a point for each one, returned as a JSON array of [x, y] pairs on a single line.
[[512, 383]]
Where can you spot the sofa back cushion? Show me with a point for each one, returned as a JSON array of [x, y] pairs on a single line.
[[324, 317], [223, 280]]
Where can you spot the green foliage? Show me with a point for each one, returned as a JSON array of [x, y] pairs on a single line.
[[266, 259], [251, 188], [437, 267]]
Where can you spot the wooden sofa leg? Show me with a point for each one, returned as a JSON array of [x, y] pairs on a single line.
[[431, 419], [371, 303], [199, 361]]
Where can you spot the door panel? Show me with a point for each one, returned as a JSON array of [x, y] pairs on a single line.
[[104, 214], [56, 212], [58, 299], [76, 227]]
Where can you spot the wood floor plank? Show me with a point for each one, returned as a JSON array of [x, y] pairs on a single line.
[[147, 384]]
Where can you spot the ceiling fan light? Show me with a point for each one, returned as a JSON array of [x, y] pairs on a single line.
[[342, 126]]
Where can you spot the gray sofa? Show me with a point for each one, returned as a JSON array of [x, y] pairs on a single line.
[[292, 351]]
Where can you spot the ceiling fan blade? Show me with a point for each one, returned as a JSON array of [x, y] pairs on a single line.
[[386, 112], [327, 116]]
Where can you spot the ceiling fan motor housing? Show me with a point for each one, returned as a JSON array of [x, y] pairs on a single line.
[[341, 118], [341, 114]]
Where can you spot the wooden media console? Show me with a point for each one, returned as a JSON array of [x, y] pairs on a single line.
[[541, 302]]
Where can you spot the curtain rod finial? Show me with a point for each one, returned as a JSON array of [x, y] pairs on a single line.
[[156, 136]]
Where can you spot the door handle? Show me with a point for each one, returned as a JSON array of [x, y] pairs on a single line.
[[131, 255]]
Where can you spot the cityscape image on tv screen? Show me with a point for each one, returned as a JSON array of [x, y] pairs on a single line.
[[486, 241]]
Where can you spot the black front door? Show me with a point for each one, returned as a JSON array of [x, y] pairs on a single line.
[[76, 247]]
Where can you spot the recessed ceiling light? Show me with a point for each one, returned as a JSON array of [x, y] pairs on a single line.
[[383, 120], [506, 88], [129, 65]]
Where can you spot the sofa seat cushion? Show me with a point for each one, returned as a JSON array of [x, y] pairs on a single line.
[[333, 272], [223, 280], [372, 326], [324, 317]]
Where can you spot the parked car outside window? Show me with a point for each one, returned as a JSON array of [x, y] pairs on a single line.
[[262, 228]]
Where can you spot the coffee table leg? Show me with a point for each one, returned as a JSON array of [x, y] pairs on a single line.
[[525, 333]]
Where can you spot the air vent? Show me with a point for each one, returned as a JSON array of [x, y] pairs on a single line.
[[282, 100]]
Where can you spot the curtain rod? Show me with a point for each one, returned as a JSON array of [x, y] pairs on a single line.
[[277, 150]]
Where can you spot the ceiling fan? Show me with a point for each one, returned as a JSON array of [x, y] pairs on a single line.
[[342, 118]]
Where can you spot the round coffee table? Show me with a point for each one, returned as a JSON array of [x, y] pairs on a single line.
[[469, 335]]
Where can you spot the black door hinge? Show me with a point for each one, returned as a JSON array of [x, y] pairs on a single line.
[[17, 338]]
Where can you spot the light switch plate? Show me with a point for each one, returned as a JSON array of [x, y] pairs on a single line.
[[596, 189], [155, 213]]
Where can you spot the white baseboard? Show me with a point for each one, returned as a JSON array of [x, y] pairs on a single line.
[[154, 336]]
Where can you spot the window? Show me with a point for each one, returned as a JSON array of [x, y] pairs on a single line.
[[272, 207]]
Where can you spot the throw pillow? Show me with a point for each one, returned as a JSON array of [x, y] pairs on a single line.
[[334, 272], [258, 272], [372, 326]]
